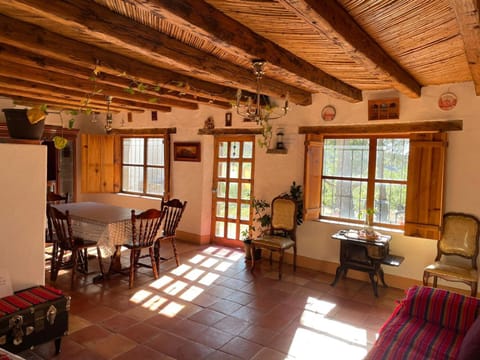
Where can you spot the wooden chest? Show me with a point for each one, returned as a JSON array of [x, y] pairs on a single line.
[[33, 316]]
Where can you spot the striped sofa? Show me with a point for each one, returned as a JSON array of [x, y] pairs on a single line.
[[430, 323]]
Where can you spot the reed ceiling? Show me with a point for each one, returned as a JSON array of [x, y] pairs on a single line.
[[185, 53]]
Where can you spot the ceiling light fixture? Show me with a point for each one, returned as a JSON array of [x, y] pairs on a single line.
[[109, 119], [260, 109]]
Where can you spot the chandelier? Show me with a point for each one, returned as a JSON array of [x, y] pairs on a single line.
[[259, 109]]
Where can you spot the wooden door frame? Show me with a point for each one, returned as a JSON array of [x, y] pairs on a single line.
[[229, 138]]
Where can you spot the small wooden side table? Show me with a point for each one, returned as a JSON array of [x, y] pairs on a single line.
[[360, 253]]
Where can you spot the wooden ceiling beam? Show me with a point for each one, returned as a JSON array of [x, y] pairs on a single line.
[[79, 19], [30, 59], [74, 100], [47, 45], [330, 18], [90, 88], [38, 98], [467, 13], [68, 94], [60, 106], [196, 16]]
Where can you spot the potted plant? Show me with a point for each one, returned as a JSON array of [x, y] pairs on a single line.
[[260, 223], [297, 195], [26, 124], [246, 236], [368, 227]]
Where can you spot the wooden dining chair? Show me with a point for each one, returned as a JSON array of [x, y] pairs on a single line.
[[67, 242], [174, 210], [145, 228], [50, 237]]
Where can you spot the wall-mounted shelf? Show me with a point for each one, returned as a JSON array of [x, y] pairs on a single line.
[[230, 131], [277, 151], [383, 109]]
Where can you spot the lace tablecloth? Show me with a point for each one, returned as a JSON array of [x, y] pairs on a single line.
[[109, 225], [108, 236]]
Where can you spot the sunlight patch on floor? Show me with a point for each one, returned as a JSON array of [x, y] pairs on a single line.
[[154, 303], [192, 293], [319, 306], [186, 282], [194, 274], [309, 344], [140, 296], [197, 259], [328, 338], [209, 262], [209, 279], [172, 309], [223, 266], [161, 282], [175, 288], [180, 270]]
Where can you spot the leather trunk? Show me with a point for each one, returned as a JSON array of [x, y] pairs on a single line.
[[33, 316]]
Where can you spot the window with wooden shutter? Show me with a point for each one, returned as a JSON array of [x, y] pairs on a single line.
[[103, 165], [425, 185], [420, 211], [98, 165], [313, 176]]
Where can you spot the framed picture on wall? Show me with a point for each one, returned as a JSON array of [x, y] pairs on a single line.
[[186, 151]]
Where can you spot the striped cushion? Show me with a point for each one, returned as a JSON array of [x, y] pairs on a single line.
[[428, 324], [412, 338], [447, 309]]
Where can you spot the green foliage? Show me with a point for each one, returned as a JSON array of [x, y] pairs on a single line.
[[349, 159], [264, 141], [261, 216], [260, 222], [245, 234], [297, 194]]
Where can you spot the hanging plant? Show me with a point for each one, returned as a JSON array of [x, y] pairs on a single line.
[[266, 139], [59, 141], [37, 113]]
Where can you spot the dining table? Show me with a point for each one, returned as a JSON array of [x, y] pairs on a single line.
[[109, 225]]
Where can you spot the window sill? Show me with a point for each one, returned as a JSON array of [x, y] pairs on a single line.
[[346, 224], [148, 197]]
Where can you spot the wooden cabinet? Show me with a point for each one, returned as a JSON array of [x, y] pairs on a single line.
[[61, 164], [383, 109]]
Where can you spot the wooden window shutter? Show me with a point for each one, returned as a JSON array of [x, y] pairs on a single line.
[[425, 185], [166, 140], [313, 176], [98, 170]]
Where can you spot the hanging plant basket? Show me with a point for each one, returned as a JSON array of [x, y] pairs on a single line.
[[19, 127]]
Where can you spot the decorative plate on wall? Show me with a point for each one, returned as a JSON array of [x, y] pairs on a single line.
[[328, 113], [447, 101]]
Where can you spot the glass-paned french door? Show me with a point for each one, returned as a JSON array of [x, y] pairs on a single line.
[[232, 188]]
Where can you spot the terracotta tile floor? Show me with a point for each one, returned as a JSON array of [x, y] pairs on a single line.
[[212, 307]]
